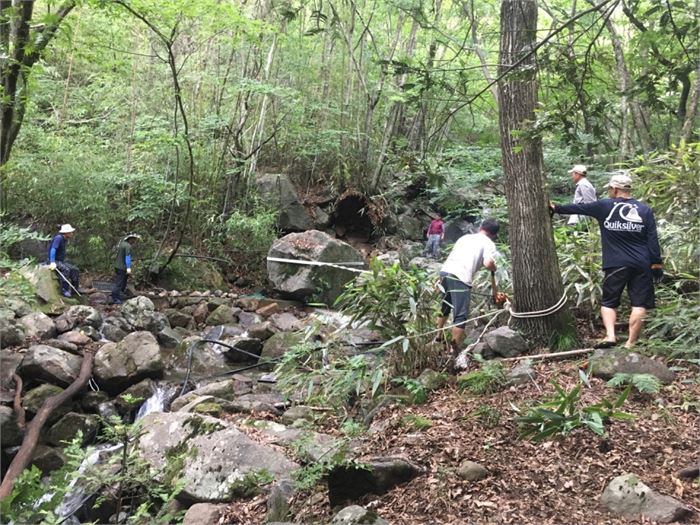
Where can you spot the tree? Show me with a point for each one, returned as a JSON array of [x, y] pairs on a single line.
[[536, 278], [23, 40]]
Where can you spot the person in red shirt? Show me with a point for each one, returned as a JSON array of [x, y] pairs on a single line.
[[436, 233]]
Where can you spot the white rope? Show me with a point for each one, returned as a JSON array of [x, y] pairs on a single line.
[[538, 313], [319, 263]]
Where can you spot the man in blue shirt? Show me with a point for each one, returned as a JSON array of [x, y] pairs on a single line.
[[57, 259], [631, 254]]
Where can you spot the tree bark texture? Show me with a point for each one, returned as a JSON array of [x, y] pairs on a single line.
[[536, 278], [31, 438]]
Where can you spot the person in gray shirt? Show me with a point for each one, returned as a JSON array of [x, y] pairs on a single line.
[[585, 192]]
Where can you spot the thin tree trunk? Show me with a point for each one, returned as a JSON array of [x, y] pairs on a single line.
[[536, 278], [692, 112], [31, 438]]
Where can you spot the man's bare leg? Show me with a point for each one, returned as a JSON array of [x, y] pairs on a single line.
[[609, 316], [635, 325]]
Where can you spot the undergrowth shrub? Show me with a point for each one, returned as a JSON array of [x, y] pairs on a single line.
[[643, 383], [12, 283], [489, 378]]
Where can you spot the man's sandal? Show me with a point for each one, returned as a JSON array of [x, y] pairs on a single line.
[[604, 344]]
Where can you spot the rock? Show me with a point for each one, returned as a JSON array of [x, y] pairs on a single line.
[[68, 426], [456, 228], [256, 403], [356, 515], [626, 495], [223, 314], [77, 316], [203, 514], [506, 342], [286, 322], [409, 227], [228, 389], [46, 363], [318, 283], [115, 329], [262, 331], [99, 299], [48, 459], [249, 304], [91, 401], [278, 344], [187, 273], [380, 475], [321, 218], [426, 263], [46, 287], [10, 434], [9, 362], [247, 349], [18, 306], [140, 314], [278, 500], [119, 365], [483, 350], [248, 319], [471, 471], [207, 358], [179, 318], [268, 310], [219, 460], [34, 399], [606, 363], [307, 444], [38, 325], [140, 392], [432, 380], [66, 346], [75, 337], [168, 337], [200, 313], [389, 258], [278, 190], [297, 412], [11, 332], [409, 251], [520, 374]]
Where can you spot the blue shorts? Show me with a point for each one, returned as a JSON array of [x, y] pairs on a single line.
[[456, 298]]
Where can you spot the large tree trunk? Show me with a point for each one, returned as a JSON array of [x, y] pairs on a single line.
[[536, 279]]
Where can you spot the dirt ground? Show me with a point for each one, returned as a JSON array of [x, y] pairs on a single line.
[[551, 482]]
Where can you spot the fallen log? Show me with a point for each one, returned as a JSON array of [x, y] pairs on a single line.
[[26, 450], [17, 404]]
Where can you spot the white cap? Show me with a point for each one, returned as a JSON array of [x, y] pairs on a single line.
[[66, 228], [579, 168], [621, 181]]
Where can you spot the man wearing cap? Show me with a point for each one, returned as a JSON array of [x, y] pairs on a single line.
[[631, 254], [57, 260], [122, 267], [585, 192]]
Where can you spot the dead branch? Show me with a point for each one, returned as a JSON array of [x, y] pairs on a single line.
[[549, 355], [19, 409], [24, 456]]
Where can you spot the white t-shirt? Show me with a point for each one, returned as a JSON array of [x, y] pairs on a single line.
[[468, 255]]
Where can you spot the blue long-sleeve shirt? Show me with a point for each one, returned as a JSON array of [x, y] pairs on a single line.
[[627, 230], [57, 249]]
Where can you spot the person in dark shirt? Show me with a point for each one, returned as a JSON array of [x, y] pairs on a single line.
[[122, 267], [69, 275], [631, 254]]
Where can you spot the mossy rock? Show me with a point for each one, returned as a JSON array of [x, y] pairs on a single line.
[[192, 274]]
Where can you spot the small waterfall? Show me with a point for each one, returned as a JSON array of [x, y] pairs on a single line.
[[155, 403]]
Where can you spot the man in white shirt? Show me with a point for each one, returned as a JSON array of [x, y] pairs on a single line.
[[468, 255], [585, 192]]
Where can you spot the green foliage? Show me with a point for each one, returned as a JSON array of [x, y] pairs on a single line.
[[418, 391], [564, 413], [489, 416], [578, 250], [308, 476], [249, 485], [489, 378], [12, 283], [352, 428], [416, 422], [402, 306], [644, 383]]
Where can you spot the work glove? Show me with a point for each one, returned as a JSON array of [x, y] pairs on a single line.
[[657, 273], [128, 271], [52, 266]]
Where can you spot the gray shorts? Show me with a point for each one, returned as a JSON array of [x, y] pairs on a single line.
[[456, 298]]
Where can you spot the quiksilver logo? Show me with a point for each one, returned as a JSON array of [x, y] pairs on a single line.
[[623, 226], [631, 221]]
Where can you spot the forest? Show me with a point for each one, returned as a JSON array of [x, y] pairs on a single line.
[[231, 136]]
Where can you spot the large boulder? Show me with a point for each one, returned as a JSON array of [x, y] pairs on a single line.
[[506, 342], [456, 228], [628, 496], [410, 227], [11, 332], [134, 358], [78, 316], [356, 515], [218, 462], [10, 434], [311, 283], [46, 287], [223, 315], [605, 364], [279, 191], [38, 325], [140, 313], [66, 428], [46, 363]]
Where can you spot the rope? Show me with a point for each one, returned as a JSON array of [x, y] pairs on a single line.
[[538, 313], [319, 263]]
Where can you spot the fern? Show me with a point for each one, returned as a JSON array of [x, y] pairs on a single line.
[[491, 377], [644, 383]]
